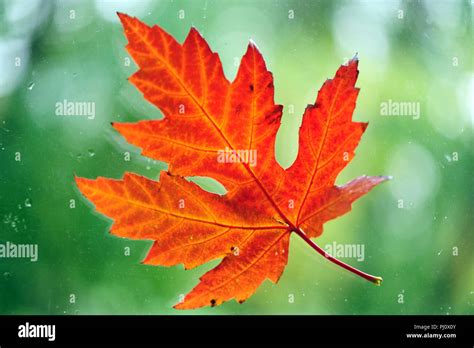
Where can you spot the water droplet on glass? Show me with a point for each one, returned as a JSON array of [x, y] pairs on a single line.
[[31, 85], [28, 203], [91, 153]]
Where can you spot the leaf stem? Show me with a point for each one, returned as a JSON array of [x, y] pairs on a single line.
[[369, 277]]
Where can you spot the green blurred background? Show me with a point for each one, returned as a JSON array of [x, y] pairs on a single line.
[[420, 51]]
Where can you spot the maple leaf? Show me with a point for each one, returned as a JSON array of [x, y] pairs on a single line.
[[206, 116]]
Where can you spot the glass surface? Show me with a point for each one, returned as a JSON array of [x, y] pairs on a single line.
[[416, 230]]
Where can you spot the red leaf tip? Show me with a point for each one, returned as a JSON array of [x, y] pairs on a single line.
[[195, 31], [122, 16], [253, 45]]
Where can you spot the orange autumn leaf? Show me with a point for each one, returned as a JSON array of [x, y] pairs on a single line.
[[211, 128]]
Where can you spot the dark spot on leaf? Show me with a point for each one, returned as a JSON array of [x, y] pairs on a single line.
[[238, 108], [251, 87], [232, 248], [312, 106], [213, 302], [275, 115]]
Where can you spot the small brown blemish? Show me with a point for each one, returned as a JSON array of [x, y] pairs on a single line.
[[213, 302], [238, 108], [232, 248], [251, 87]]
